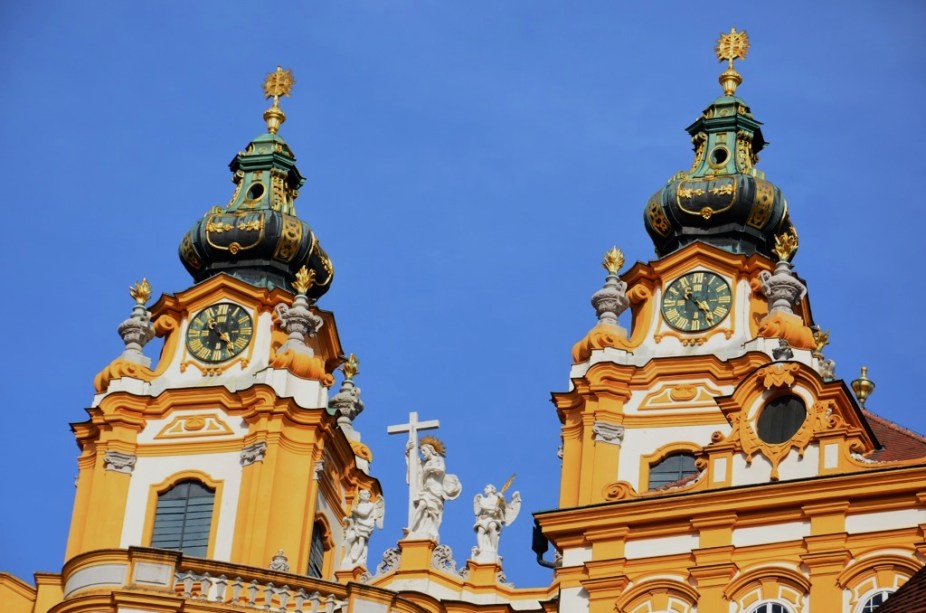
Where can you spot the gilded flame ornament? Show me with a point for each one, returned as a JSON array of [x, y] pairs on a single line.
[[785, 246], [731, 46], [351, 367], [613, 260], [305, 279], [822, 339], [141, 291]]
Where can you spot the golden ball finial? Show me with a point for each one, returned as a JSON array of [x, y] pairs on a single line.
[[613, 260], [141, 291]]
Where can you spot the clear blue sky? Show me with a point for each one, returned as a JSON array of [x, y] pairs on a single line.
[[468, 164]]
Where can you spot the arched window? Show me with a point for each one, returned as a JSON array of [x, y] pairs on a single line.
[[672, 469], [874, 601], [317, 551], [183, 518], [770, 607]]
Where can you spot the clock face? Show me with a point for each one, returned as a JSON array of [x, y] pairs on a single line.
[[219, 332], [696, 301]]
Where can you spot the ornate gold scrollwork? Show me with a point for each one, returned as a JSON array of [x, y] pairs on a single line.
[[188, 253], [290, 236], [657, 217], [762, 208]]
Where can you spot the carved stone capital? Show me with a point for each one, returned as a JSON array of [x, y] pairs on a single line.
[[119, 462], [253, 453], [608, 433]]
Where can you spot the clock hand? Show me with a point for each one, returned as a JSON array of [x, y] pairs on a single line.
[[228, 343], [707, 311]]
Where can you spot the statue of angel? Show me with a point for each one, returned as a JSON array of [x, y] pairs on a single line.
[[492, 515], [433, 487], [363, 517]]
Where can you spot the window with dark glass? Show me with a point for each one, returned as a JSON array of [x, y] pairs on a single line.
[[770, 607], [317, 551], [781, 418], [874, 601], [183, 518], [674, 467]]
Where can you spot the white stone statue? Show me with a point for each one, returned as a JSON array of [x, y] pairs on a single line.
[[492, 515], [432, 488], [363, 518]]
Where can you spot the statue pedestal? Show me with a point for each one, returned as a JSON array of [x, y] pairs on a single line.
[[348, 575], [416, 555], [482, 574]]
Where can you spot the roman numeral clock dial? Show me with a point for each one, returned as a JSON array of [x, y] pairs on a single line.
[[696, 301], [219, 332]]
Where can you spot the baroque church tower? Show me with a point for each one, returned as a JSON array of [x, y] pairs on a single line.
[[712, 462], [711, 459], [230, 448]]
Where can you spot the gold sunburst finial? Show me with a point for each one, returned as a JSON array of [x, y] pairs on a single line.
[[305, 279], [785, 246], [821, 339], [141, 291], [278, 83], [351, 367], [613, 260], [435, 443], [731, 46]]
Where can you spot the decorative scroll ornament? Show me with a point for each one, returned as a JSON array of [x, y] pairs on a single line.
[[618, 490], [119, 462], [442, 559], [278, 83], [253, 453], [280, 563], [389, 562], [778, 375], [364, 517], [608, 433], [731, 46]]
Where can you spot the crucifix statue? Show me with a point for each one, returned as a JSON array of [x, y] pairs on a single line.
[[429, 484]]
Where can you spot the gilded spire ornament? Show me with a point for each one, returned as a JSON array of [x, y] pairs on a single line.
[[731, 46], [305, 279], [351, 367], [613, 260], [821, 338], [141, 291], [863, 386], [278, 83], [785, 246]]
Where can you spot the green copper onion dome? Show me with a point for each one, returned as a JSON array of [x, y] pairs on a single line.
[[723, 200], [257, 236]]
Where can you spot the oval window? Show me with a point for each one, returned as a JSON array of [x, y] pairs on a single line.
[[781, 418]]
